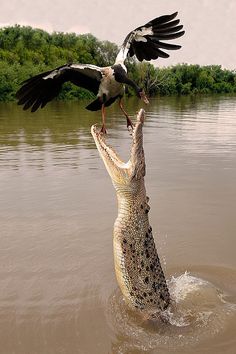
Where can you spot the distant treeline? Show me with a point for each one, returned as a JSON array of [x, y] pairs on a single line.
[[25, 52]]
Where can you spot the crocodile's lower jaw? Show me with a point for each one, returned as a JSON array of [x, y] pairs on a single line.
[[137, 265]]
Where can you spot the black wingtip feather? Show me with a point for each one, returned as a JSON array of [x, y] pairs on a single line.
[[167, 46], [169, 29], [168, 36], [164, 26], [163, 19]]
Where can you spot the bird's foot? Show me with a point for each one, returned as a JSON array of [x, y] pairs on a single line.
[[130, 126], [103, 130]]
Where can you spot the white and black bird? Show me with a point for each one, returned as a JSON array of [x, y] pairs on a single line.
[[145, 42]]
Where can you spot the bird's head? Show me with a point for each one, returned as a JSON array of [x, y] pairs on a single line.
[[143, 96]]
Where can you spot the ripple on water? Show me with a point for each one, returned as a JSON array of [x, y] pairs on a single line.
[[200, 313]]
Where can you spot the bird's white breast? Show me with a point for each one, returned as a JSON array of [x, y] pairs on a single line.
[[109, 86]]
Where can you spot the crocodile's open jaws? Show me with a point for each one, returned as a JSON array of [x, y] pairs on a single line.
[[137, 265]]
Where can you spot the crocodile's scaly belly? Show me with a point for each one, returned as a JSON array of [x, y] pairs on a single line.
[[138, 268]]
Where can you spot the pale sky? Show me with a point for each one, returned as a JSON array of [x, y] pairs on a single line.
[[210, 26]]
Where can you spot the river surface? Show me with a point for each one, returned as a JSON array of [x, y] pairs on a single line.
[[58, 292]]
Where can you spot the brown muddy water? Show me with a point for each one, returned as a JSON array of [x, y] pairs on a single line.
[[58, 292]]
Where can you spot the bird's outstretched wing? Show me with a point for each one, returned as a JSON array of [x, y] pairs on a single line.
[[146, 41], [39, 90]]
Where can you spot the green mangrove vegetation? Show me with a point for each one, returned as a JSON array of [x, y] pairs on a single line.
[[25, 52]]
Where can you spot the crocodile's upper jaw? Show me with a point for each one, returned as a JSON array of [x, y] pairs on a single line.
[[123, 173]]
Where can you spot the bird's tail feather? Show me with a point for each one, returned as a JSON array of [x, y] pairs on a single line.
[[95, 105]]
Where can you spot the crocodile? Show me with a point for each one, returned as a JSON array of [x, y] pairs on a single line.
[[137, 265]]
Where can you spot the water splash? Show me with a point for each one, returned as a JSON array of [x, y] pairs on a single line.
[[199, 311]]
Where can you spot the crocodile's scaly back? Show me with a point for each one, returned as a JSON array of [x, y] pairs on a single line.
[[137, 265]]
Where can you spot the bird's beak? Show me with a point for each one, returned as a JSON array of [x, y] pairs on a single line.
[[143, 97]]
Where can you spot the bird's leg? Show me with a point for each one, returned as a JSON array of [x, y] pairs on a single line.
[[103, 129], [129, 122]]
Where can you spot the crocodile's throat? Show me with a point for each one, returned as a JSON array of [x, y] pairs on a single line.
[[137, 264]]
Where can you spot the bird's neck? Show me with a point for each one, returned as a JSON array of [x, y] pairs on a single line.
[[120, 73], [131, 83]]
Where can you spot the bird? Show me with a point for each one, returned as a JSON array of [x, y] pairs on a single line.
[[147, 42]]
